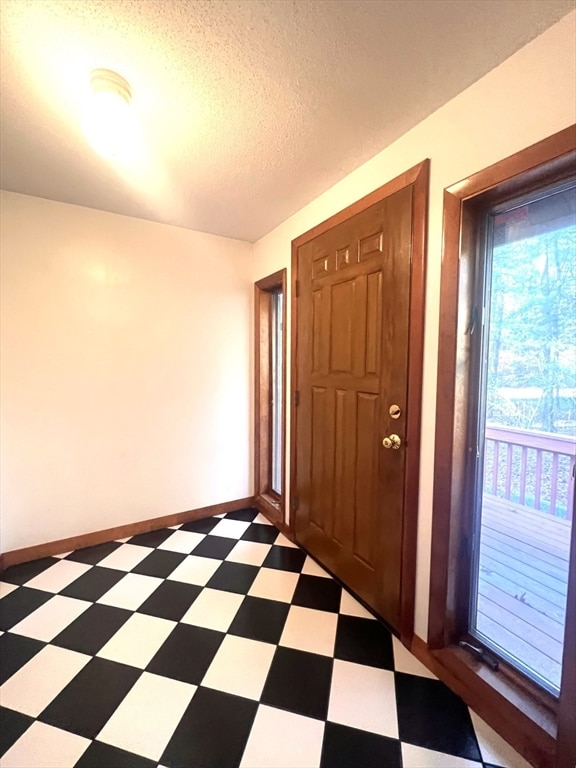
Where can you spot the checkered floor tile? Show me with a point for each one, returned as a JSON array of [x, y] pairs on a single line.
[[218, 643]]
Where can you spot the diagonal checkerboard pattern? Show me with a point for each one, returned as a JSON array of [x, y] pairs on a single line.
[[215, 643]]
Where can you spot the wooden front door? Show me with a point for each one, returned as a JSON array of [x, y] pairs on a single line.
[[352, 370]]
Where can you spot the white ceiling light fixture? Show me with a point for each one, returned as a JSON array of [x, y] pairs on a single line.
[[108, 122]]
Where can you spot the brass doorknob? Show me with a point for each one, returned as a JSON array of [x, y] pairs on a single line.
[[393, 442]]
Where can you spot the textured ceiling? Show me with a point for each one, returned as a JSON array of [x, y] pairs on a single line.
[[248, 108]]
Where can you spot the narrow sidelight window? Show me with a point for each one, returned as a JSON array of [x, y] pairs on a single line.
[[277, 389], [270, 352], [523, 429], [502, 618]]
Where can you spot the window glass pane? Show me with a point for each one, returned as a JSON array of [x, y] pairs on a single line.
[[527, 430], [276, 358]]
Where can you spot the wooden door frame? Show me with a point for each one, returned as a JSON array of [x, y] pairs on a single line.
[[269, 504], [418, 176]]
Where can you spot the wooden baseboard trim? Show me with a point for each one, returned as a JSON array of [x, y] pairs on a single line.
[[275, 516], [38, 551], [531, 734]]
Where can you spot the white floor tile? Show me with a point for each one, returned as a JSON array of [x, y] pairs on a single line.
[[125, 557], [418, 757], [63, 554], [214, 609], [310, 630], [51, 618], [363, 697], [35, 684], [230, 529], [284, 541], [182, 541], [240, 667], [148, 716], [6, 588], [43, 746], [249, 553], [195, 570], [406, 662], [274, 584], [261, 519], [283, 740], [58, 576], [131, 591], [351, 607], [493, 748], [312, 568], [137, 641]]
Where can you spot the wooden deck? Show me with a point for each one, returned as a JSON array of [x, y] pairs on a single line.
[[523, 581]]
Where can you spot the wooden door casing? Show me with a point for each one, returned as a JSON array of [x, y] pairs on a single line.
[[360, 282]]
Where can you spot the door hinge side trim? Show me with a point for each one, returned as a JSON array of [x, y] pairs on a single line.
[[296, 398]]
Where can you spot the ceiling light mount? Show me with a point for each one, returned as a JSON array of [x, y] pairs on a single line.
[[109, 124], [108, 81]]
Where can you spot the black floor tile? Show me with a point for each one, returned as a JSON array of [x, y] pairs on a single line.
[[285, 559], [92, 629], [261, 533], [260, 619], [20, 574], [171, 600], [90, 699], [317, 592], [201, 526], [364, 641], [99, 755], [299, 682], [217, 547], [93, 555], [19, 604], [160, 563], [93, 584], [152, 538], [431, 716], [186, 654], [233, 577], [13, 725], [350, 748], [245, 515], [15, 651], [212, 732]]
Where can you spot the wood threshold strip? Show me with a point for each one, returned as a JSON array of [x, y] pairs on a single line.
[[16, 556]]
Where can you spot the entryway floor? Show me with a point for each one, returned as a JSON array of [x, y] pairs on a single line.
[[215, 644]]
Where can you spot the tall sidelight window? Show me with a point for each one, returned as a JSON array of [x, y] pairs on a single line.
[[523, 429], [277, 389], [270, 387], [502, 618]]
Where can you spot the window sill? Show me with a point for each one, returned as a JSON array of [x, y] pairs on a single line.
[[521, 714]]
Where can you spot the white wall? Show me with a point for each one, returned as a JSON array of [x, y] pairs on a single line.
[[525, 99], [125, 369]]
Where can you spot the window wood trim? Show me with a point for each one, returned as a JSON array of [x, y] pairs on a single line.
[[267, 501], [523, 713]]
